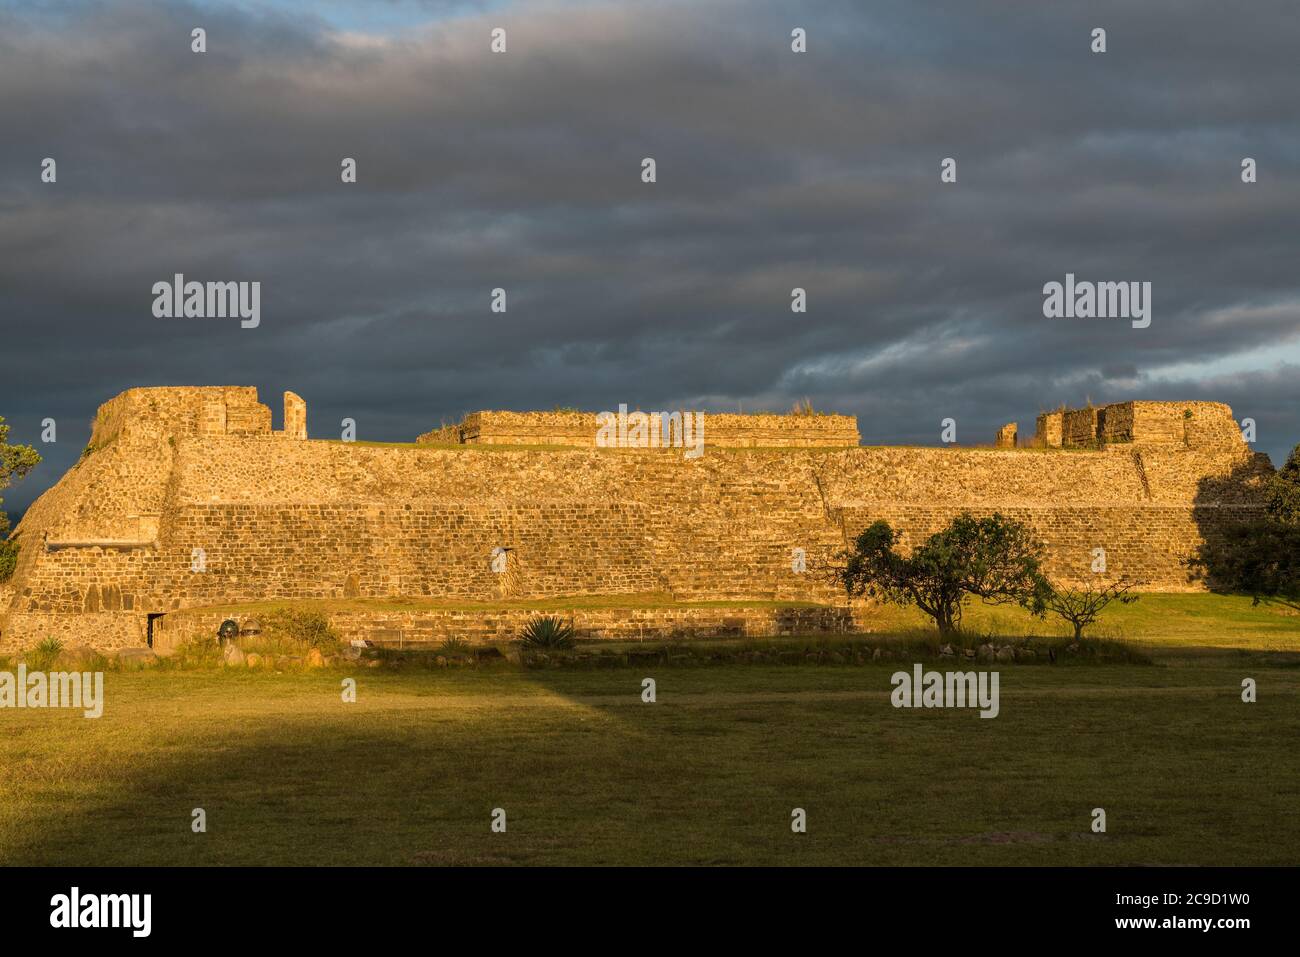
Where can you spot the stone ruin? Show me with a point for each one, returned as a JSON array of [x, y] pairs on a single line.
[[187, 501]]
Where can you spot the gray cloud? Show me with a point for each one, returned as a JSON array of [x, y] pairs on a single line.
[[775, 170]]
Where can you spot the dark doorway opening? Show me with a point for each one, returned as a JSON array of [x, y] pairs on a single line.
[[152, 618]]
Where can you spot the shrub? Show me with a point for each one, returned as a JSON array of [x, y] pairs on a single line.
[[309, 626], [42, 657], [453, 647], [8, 550], [548, 632], [8, 558], [199, 651], [1082, 606]]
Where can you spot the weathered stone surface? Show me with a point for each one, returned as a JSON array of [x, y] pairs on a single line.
[[232, 655], [295, 416], [179, 474], [136, 656], [579, 429], [1049, 430], [77, 656], [363, 628]]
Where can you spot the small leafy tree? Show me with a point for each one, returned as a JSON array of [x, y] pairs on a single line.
[[995, 559], [1082, 606], [15, 462]]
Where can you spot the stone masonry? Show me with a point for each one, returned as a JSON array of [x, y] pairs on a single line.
[[579, 429], [187, 500]]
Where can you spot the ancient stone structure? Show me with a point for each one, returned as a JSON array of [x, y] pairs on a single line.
[[187, 501], [1050, 429], [295, 416], [1186, 425], [1006, 436], [579, 430]]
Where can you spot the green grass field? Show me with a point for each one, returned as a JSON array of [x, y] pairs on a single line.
[[1183, 622], [288, 773]]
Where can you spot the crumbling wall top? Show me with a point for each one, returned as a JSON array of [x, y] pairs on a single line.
[[1188, 425], [181, 410], [579, 429]]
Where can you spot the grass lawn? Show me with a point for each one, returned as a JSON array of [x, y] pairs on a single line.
[[409, 774], [1185, 622]]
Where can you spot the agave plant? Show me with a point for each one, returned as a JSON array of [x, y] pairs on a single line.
[[548, 631], [42, 657], [454, 647]]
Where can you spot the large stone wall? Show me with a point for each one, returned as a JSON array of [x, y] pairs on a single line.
[[171, 512], [1079, 427], [579, 430], [1202, 426], [397, 629]]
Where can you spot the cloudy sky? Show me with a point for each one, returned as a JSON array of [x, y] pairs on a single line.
[[522, 171]]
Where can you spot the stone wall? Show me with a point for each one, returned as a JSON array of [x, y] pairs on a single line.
[[195, 410], [1189, 425], [1079, 427], [118, 537], [295, 416], [413, 629], [579, 430], [1049, 428]]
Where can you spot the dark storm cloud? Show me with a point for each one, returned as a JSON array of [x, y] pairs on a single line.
[[775, 170]]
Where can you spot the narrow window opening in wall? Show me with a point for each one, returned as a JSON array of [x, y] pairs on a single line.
[[149, 634]]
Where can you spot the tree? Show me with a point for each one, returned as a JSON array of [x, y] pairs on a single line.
[[1082, 606], [15, 462], [1283, 495], [1260, 557], [8, 550], [995, 559]]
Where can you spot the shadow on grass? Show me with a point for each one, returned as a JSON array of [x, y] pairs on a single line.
[[709, 774]]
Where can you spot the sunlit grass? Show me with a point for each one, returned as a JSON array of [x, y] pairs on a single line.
[[1191, 620], [289, 774]]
